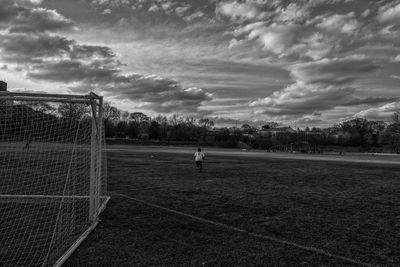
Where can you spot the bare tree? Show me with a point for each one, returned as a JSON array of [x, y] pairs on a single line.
[[206, 122], [111, 114], [72, 111]]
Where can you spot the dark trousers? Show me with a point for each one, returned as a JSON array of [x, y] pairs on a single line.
[[199, 165]]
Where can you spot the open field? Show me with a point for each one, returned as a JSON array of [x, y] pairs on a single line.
[[243, 208]]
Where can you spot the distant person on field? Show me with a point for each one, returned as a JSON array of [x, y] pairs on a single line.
[[199, 158]]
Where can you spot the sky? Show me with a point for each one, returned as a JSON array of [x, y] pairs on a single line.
[[304, 63]]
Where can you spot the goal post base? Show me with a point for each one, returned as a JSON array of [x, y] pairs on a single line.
[[82, 238]]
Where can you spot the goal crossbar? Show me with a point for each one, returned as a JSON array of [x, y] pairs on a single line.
[[49, 97]]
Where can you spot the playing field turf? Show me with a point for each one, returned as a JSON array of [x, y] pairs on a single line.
[[345, 208]]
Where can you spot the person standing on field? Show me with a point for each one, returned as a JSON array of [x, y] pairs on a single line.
[[199, 158]]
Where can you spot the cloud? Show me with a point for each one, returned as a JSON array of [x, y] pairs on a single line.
[[149, 8], [292, 30], [240, 11], [333, 71], [114, 3], [395, 77], [73, 71], [370, 101], [175, 100], [29, 2], [193, 16], [41, 48], [17, 18], [43, 55], [98, 68], [30, 48], [396, 58], [298, 99], [293, 13], [181, 10], [299, 40], [263, 17], [275, 38], [166, 5], [148, 91], [309, 120], [346, 23], [154, 8], [106, 11], [389, 13], [311, 40], [41, 20], [319, 85], [366, 13], [383, 112]]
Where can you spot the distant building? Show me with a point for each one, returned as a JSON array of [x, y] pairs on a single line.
[[275, 131], [339, 137]]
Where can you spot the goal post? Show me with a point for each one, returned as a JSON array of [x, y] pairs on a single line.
[[53, 175]]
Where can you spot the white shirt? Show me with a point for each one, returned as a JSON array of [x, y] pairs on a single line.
[[199, 156]]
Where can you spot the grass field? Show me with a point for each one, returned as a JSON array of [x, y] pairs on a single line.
[[342, 207]]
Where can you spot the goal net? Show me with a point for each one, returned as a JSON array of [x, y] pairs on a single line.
[[52, 175]]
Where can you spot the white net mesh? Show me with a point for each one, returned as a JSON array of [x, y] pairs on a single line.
[[52, 179]]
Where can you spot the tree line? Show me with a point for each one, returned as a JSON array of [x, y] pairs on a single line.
[[358, 132]]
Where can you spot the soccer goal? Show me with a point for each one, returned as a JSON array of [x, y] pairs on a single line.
[[52, 175]]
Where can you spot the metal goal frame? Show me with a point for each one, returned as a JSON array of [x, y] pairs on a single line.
[[97, 202]]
